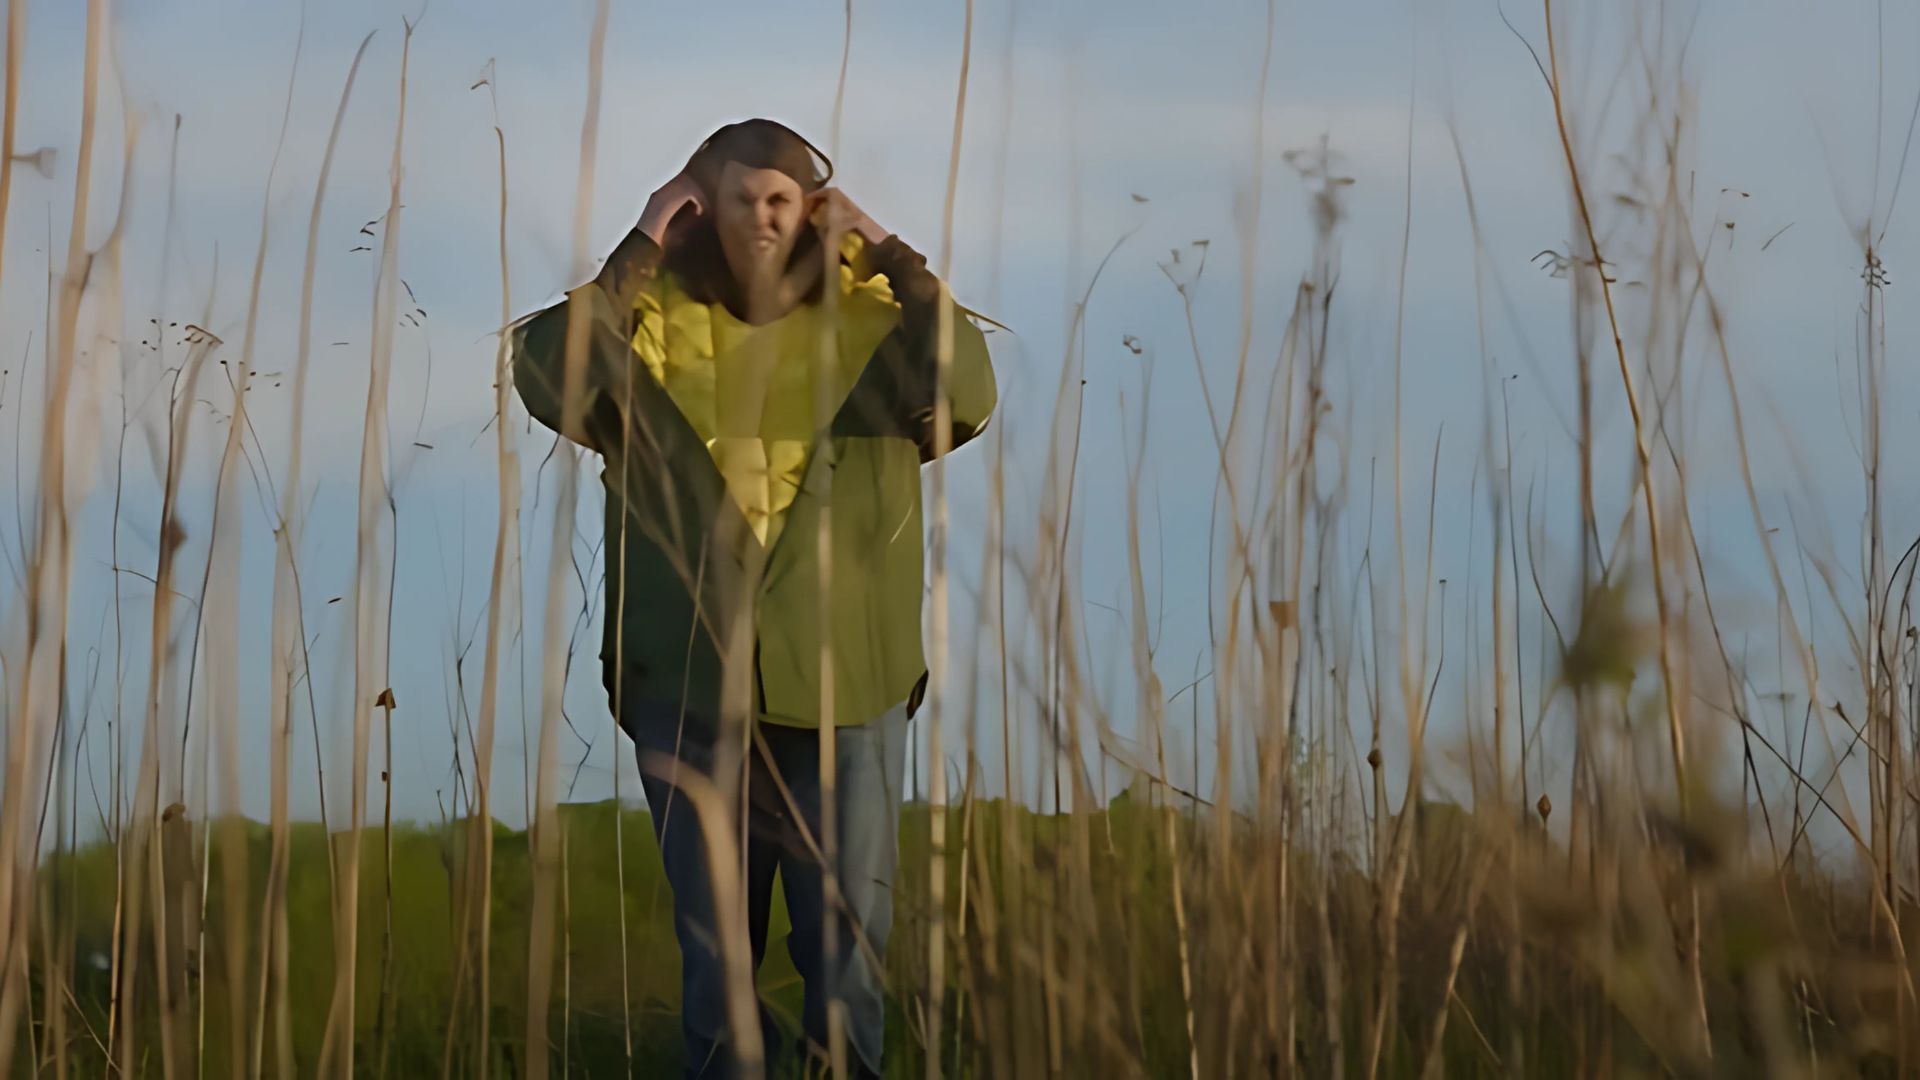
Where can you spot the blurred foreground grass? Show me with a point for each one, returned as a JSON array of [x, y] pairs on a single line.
[[1080, 917]]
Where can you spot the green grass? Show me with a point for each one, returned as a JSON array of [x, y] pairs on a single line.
[[428, 864]]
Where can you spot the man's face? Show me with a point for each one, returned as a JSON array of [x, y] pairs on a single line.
[[759, 214]]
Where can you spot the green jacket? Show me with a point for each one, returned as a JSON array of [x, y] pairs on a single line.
[[679, 553]]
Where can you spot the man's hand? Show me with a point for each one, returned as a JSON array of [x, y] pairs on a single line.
[[681, 191], [832, 211], [628, 267], [905, 268]]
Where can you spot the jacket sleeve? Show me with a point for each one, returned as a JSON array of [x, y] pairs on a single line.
[[539, 345], [970, 390]]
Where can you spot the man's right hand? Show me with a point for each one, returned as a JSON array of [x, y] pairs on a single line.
[[676, 193], [631, 263]]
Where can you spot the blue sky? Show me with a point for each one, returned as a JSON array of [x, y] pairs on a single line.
[[1109, 101]]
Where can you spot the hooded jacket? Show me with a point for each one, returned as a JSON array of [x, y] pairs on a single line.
[[713, 509]]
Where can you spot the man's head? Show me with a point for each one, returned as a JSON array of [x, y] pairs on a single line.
[[757, 176]]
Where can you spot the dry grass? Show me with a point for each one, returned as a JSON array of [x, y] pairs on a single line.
[[1628, 885]]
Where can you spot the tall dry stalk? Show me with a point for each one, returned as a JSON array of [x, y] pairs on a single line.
[[287, 638], [1393, 878], [502, 604], [826, 363], [219, 615], [1676, 730], [546, 823], [1150, 696], [370, 621], [940, 615], [142, 859], [37, 697]]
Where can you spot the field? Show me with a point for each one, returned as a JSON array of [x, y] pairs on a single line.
[[1582, 742], [415, 958]]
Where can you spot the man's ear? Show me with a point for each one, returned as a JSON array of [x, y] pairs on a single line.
[[816, 203]]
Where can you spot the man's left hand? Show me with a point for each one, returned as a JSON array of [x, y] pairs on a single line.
[[837, 214]]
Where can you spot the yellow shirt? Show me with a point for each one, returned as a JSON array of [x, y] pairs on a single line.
[[749, 390]]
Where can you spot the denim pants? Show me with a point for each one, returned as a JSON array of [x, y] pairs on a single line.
[[871, 759]]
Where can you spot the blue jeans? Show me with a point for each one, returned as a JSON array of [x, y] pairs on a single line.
[[871, 760]]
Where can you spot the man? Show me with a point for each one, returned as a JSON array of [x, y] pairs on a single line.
[[739, 389]]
